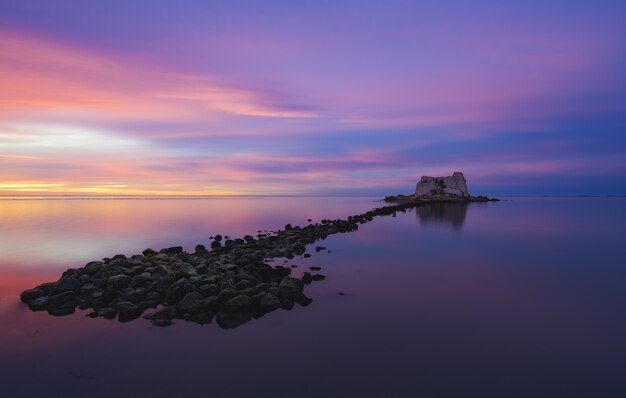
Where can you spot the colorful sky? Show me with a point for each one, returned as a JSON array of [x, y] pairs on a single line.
[[145, 97]]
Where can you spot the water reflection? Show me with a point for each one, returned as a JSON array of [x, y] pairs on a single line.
[[449, 214]]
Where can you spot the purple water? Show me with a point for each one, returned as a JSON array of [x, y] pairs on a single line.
[[519, 298]]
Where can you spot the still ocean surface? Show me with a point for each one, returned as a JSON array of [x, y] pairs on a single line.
[[520, 298]]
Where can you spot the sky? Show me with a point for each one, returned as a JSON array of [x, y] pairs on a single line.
[[141, 97]]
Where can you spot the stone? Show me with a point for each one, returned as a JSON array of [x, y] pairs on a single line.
[[269, 302], [290, 287], [187, 269], [39, 304], [229, 321], [128, 311], [454, 185], [31, 294], [168, 312], [62, 299], [238, 303], [119, 282], [107, 312], [67, 284], [190, 299], [149, 252], [161, 257], [173, 250]]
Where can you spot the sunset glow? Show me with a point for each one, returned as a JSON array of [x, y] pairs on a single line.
[[227, 99]]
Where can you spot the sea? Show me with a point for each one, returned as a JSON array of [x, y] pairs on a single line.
[[525, 297]]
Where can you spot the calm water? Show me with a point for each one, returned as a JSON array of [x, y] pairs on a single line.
[[521, 298]]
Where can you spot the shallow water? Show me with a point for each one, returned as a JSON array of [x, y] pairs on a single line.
[[519, 298]]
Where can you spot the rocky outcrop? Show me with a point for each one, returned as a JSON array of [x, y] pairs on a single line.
[[454, 185]]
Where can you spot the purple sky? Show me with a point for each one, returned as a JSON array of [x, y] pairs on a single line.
[[324, 97]]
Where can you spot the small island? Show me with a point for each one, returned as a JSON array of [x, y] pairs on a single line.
[[440, 189]]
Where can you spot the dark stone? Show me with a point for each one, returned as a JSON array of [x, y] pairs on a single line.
[[227, 294], [163, 313], [318, 277], [172, 250], [306, 255], [188, 301], [93, 267], [200, 249], [307, 278], [149, 252], [62, 299], [209, 290], [31, 294], [63, 310], [218, 238], [269, 302], [39, 304], [229, 321], [67, 284], [107, 312], [128, 311], [186, 269], [119, 282], [215, 244], [238, 303], [315, 268], [206, 305], [290, 287]]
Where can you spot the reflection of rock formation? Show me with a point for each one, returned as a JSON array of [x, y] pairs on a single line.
[[454, 185], [452, 214]]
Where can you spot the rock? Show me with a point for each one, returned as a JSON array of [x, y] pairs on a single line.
[[315, 268], [119, 282], [238, 303], [209, 290], [31, 294], [229, 321], [290, 287], [161, 257], [93, 267], [149, 252], [190, 299], [168, 312], [227, 294], [200, 249], [319, 248], [62, 303], [218, 238], [62, 299], [318, 277], [206, 305], [215, 244], [187, 269], [67, 284], [307, 278], [107, 312], [39, 304], [454, 185], [172, 250], [128, 311], [269, 302]]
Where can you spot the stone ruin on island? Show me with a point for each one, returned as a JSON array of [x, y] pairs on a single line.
[[454, 185]]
